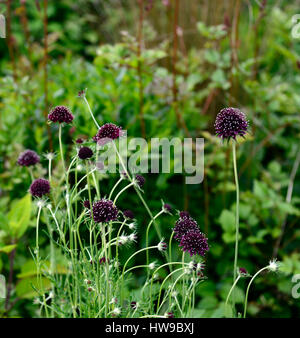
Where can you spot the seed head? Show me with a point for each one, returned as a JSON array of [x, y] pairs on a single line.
[[273, 265], [104, 211], [28, 158], [107, 133], [85, 153], [231, 122], [61, 114], [39, 187], [167, 208], [195, 243]]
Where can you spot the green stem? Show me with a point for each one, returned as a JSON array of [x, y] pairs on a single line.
[[236, 215], [247, 292], [230, 291]]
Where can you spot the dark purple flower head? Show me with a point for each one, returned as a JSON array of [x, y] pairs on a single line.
[[85, 153], [28, 158], [79, 140], [128, 214], [184, 225], [39, 187], [60, 114], [184, 214], [231, 122], [87, 204], [104, 211], [195, 243], [140, 180], [107, 133], [167, 207], [243, 272]]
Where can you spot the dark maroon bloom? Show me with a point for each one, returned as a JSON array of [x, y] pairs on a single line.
[[79, 140], [104, 211], [124, 176], [183, 214], [102, 260], [28, 158], [39, 187], [85, 153], [170, 315], [231, 122], [140, 180], [128, 214], [167, 207], [81, 93], [60, 114], [87, 204], [195, 243], [107, 133], [90, 289], [243, 271], [133, 305], [184, 225]]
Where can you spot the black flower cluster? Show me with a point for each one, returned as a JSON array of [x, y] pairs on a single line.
[[195, 243], [183, 225], [85, 152], [231, 122], [190, 238], [39, 187], [28, 158], [104, 211], [107, 133], [140, 180], [60, 114]]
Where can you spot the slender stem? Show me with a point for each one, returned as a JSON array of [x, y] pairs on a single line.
[[236, 215], [147, 232], [230, 291], [92, 115], [247, 292]]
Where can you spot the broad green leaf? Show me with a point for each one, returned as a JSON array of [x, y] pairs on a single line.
[[19, 216], [25, 287], [8, 248]]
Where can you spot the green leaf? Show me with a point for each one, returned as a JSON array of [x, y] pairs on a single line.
[[19, 216], [8, 248], [227, 221], [25, 287]]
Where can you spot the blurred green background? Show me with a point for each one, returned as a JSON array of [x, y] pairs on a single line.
[[164, 68]]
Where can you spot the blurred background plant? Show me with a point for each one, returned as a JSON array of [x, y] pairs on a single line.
[[162, 68]]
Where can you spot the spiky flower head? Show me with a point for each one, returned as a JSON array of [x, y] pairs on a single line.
[[61, 114], [85, 152], [195, 243], [107, 133], [39, 187], [28, 158], [231, 122], [273, 265], [184, 225], [140, 180], [128, 214], [104, 211]]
